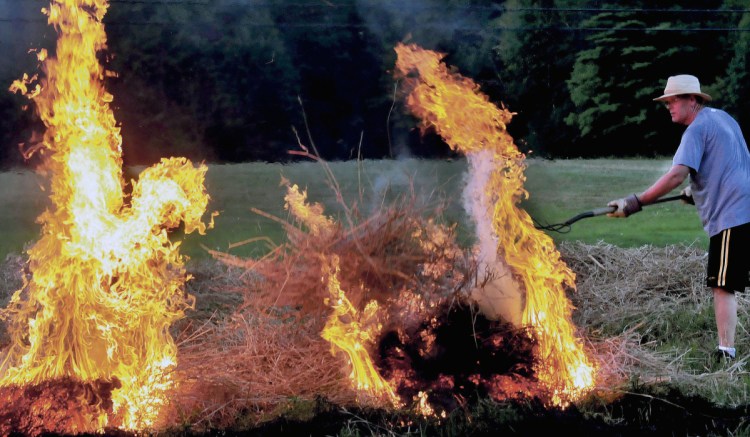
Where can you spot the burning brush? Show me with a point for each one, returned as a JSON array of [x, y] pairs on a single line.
[[398, 298], [413, 337], [523, 257], [105, 282]]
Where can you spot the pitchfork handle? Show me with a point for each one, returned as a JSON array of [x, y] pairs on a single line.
[[608, 209], [592, 213], [595, 212], [602, 211], [671, 198]]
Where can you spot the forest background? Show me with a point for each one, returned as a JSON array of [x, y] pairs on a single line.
[[231, 80]]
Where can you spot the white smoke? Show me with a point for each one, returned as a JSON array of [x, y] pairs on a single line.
[[496, 293], [477, 204]]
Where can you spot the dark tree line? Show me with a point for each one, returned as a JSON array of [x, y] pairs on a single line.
[[242, 80]]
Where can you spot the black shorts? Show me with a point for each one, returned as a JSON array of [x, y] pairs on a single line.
[[728, 260]]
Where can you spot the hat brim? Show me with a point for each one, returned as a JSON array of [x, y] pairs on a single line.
[[705, 96]]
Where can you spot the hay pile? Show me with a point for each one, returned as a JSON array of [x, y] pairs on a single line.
[[620, 285], [649, 317], [264, 354]]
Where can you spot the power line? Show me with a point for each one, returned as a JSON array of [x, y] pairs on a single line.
[[497, 8], [692, 11], [459, 8], [477, 29], [399, 3], [159, 2]]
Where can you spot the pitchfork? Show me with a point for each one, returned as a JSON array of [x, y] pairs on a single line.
[[565, 226]]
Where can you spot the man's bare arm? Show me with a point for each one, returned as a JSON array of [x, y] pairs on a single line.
[[668, 182]]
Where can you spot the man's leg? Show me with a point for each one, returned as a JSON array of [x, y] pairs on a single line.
[[725, 310]]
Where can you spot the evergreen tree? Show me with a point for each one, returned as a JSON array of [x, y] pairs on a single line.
[[630, 53], [204, 80], [534, 57], [609, 113], [732, 89]]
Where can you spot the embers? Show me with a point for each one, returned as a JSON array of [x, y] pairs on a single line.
[[55, 406], [457, 356]]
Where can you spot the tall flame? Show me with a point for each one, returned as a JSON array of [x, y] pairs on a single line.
[[106, 281], [470, 123], [347, 329]]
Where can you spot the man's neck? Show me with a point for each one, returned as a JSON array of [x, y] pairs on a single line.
[[696, 109]]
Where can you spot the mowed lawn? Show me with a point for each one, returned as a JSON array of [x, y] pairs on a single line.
[[558, 190]]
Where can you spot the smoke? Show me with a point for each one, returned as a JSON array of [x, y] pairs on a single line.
[[428, 23], [497, 294], [399, 144], [434, 25], [399, 178], [477, 204]]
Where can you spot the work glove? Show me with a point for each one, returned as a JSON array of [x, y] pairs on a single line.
[[687, 195], [625, 206]]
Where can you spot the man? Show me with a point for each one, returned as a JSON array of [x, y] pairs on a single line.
[[714, 153]]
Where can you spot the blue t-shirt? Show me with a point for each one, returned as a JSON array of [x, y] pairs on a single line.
[[713, 148]]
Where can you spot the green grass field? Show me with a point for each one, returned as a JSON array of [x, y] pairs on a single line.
[[558, 190]]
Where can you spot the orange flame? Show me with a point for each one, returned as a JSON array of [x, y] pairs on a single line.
[[310, 214], [347, 329], [453, 106], [352, 332], [106, 281]]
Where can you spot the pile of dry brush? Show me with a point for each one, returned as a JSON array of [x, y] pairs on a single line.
[[632, 301], [265, 347]]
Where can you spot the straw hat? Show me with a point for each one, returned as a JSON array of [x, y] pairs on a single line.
[[683, 84]]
